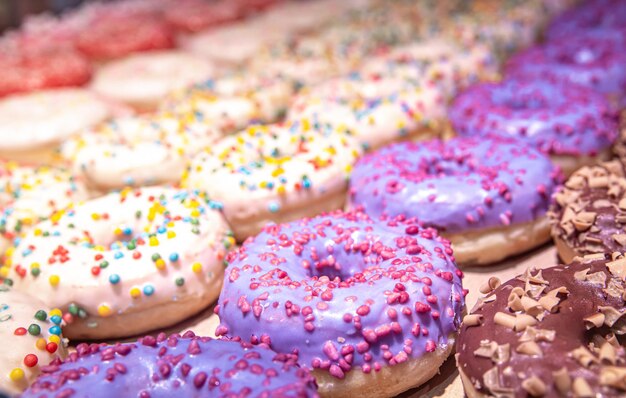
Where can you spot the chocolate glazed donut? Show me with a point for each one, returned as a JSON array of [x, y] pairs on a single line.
[[589, 214], [556, 332]]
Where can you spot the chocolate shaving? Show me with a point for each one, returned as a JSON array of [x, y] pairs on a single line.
[[533, 334], [534, 386], [490, 285], [581, 388], [562, 381], [529, 348], [584, 356], [491, 380], [613, 376], [614, 319], [607, 354], [472, 320], [618, 268], [594, 321]]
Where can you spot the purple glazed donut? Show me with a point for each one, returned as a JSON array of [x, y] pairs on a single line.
[[571, 123], [174, 366], [372, 307], [596, 63], [489, 196], [591, 18]]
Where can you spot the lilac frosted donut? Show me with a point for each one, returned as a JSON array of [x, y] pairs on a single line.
[[488, 196], [571, 123], [592, 17], [174, 366], [371, 307], [592, 62]]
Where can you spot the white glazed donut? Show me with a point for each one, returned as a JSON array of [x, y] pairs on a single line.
[[31, 338], [377, 110], [438, 61], [29, 195], [142, 80], [232, 44], [33, 125], [232, 102], [126, 263], [136, 151], [274, 173]]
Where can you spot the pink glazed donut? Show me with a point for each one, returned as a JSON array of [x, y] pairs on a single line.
[[371, 306]]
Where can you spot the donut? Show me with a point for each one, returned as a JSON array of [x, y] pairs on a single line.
[[142, 80], [31, 194], [299, 18], [274, 173], [186, 366], [231, 102], [31, 338], [377, 109], [115, 35], [32, 125], [232, 44], [26, 70], [193, 16], [125, 263], [370, 305], [574, 125], [136, 151], [438, 61], [591, 17], [587, 61], [587, 215], [553, 332], [488, 196]]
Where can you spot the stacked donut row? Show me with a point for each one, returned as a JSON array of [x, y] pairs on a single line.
[[139, 259]]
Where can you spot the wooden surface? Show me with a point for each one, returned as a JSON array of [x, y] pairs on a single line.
[[447, 384]]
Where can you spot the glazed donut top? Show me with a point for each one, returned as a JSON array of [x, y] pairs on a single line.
[[464, 183], [344, 291], [557, 118], [47, 117], [269, 166], [185, 366], [31, 338], [24, 70], [550, 333], [193, 16], [588, 61], [130, 249], [231, 102], [116, 34], [436, 61], [592, 16], [29, 195], [149, 76], [589, 213], [375, 109], [137, 150]]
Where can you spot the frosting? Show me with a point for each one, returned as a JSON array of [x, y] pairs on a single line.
[[190, 16], [591, 17], [438, 62], [268, 171], [549, 333], [127, 251], [592, 62], [556, 118], [376, 110], [232, 43], [231, 102], [29, 195], [31, 338], [344, 291], [136, 151], [47, 117], [116, 33], [589, 213], [147, 78], [186, 366], [25, 69], [457, 185]]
